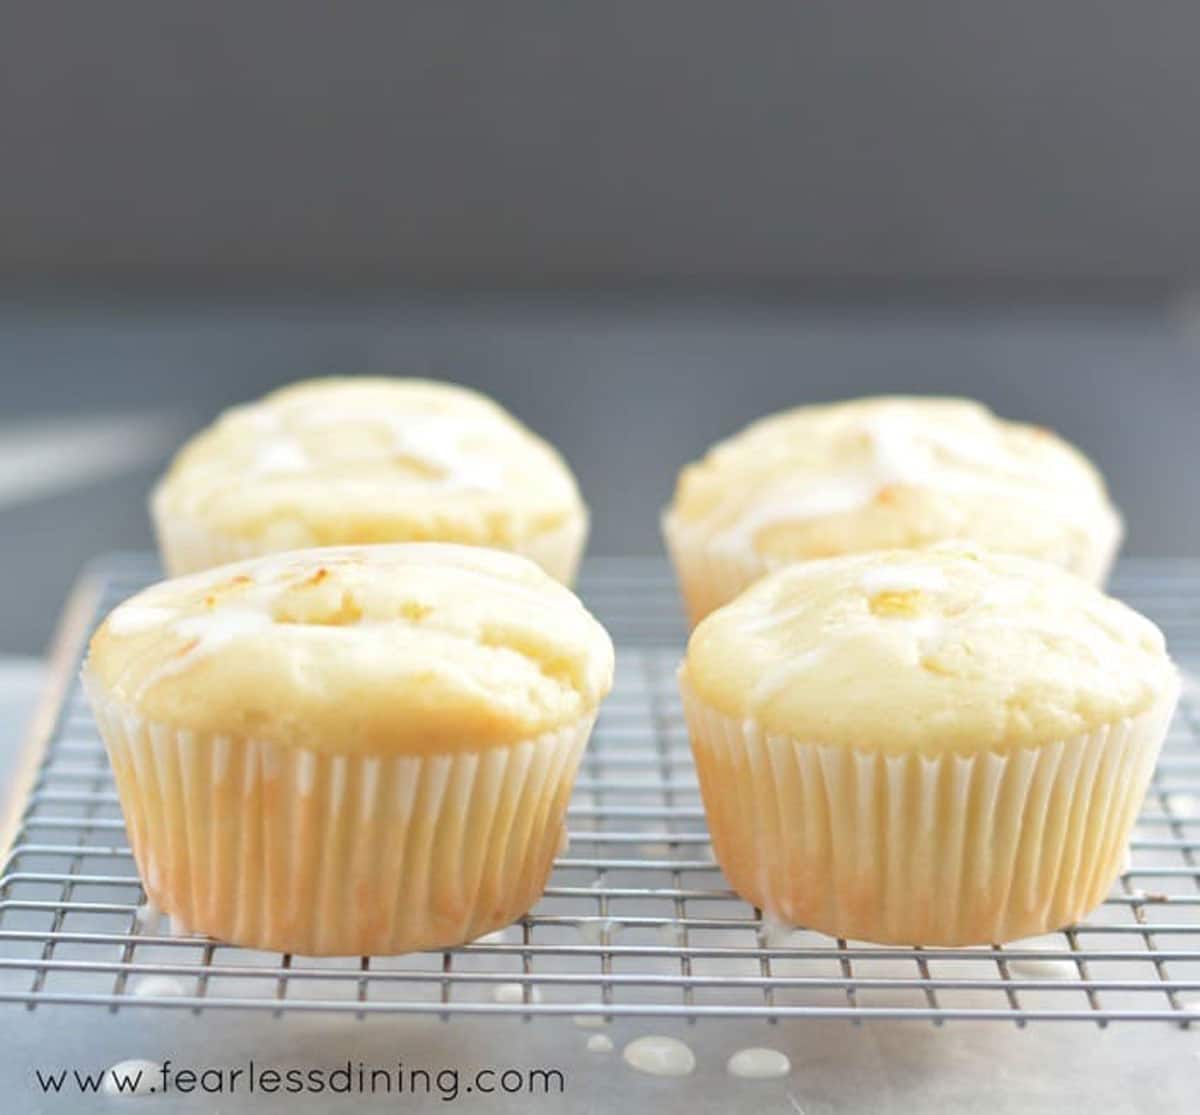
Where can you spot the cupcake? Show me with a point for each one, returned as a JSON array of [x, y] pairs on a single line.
[[929, 747], [348, 750], [337, 462], [877, 474]]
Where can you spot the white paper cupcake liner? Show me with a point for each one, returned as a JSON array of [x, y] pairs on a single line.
[[708, 576], [956, 849], [300, 851], [187, 547], [1095, 562], [558, 551]]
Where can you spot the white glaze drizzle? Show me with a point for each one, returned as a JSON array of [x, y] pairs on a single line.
[[431, 439], [834, 496], [251, 609], [901, 453], [438, 444], [133, 619], [222, 625], [1048, 967], [282, 455], [210, 631], [927, 633], [895, 459], [784, 673], [924, 635]]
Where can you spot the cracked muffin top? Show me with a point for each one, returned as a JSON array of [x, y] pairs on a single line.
[[414, 647], [949, 648], [361, 460], [893, 472]]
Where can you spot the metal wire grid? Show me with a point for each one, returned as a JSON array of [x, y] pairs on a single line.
[[637, 919]]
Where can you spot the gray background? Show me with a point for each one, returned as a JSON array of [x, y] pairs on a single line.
[[541, 142], [639, 225]]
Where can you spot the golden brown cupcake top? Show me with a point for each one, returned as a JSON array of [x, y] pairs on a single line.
[[361, 460], [879, 473], [420, 648], [950, 648]]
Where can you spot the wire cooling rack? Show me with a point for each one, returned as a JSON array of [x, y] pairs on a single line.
[[637, 919]]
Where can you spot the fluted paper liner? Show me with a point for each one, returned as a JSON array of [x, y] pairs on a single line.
[[954, 849], [295, 850], [708, 576], [187, 547], [711, 575]]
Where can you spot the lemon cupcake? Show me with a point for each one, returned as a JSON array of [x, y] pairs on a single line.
[[336, 462], [942, 746], [876, 474], [348, 750]]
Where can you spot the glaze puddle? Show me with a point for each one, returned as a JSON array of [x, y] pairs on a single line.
[[659, 1055], [515, 993], [589, 1021], [757, 1063], [150, 1077], [155, 987]]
